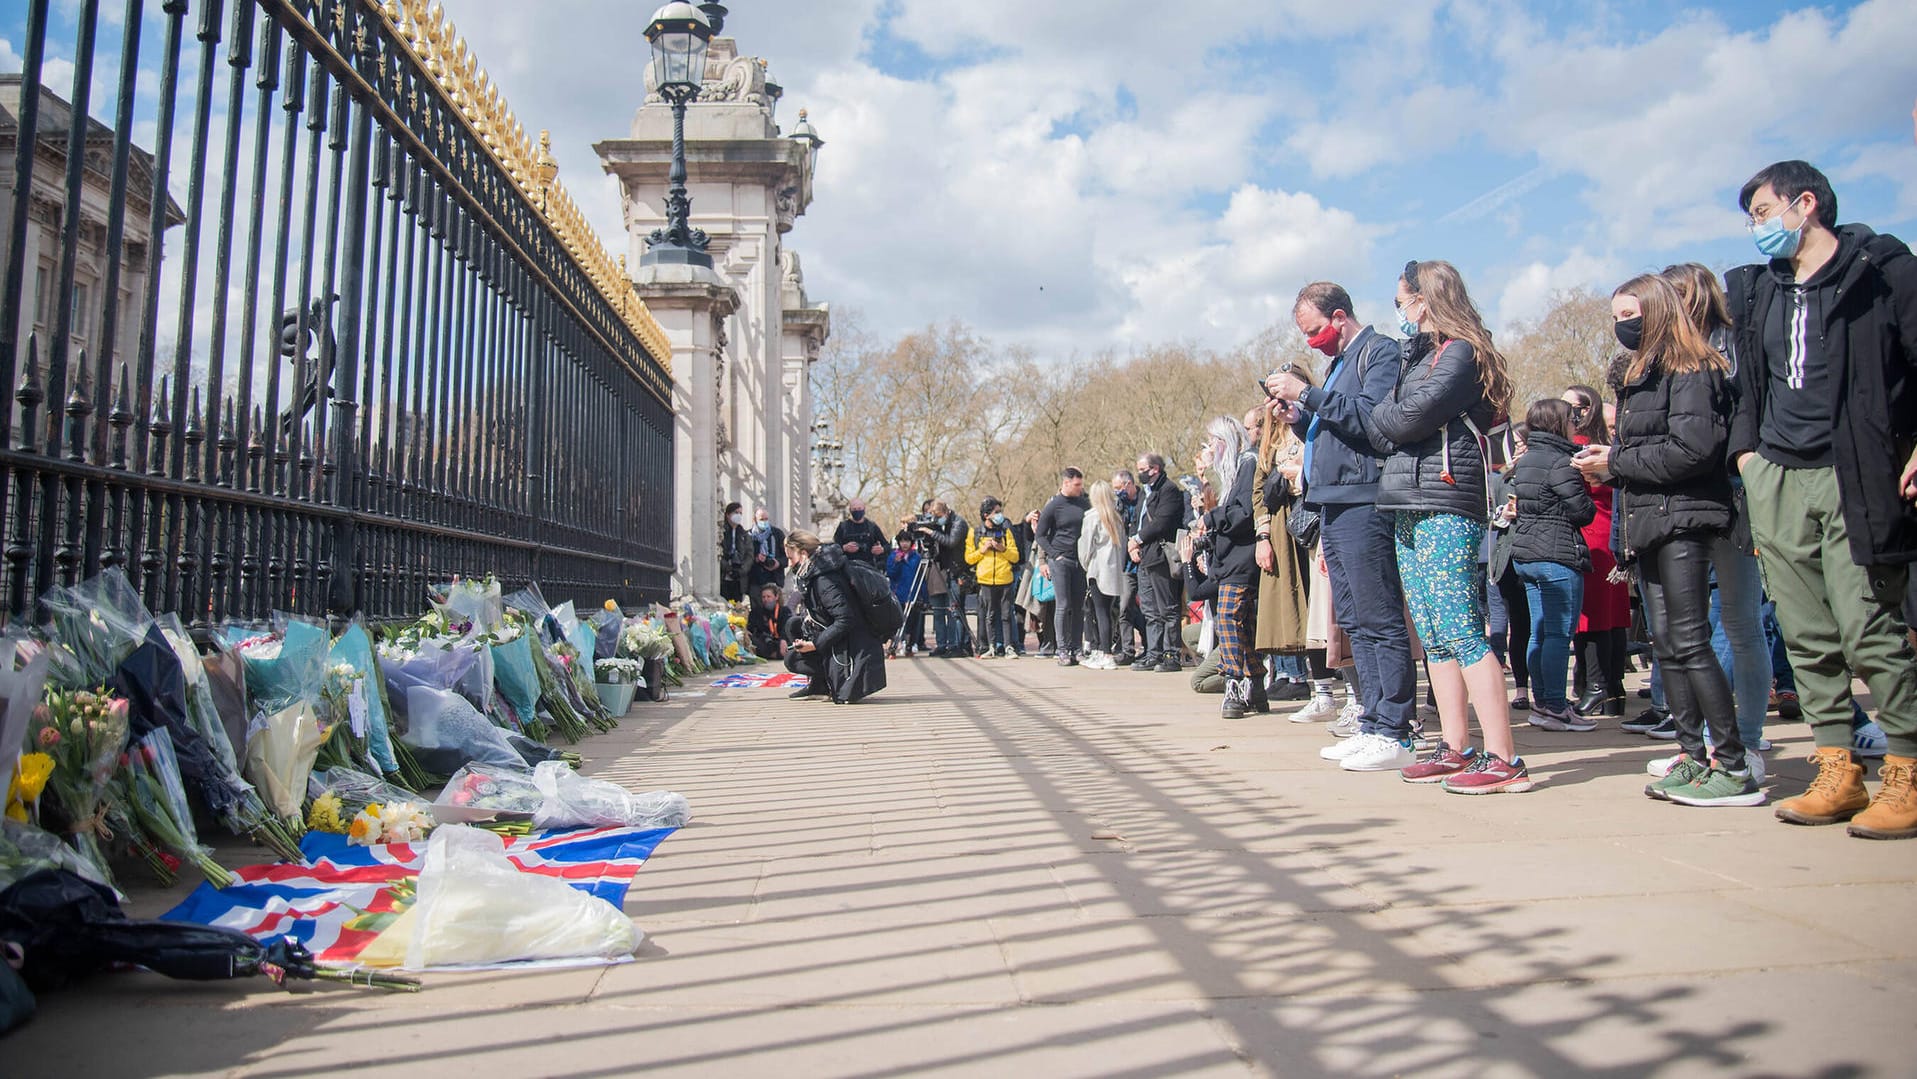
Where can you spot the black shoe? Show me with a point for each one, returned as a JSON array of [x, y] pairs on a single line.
[[1167, 665], [1066, 659], [1644, 694], [1291, 691], [1259, 701], [1612, 704], [1666, 730], [801, 694], [1235, 703], [1643, 722], [1145, 663]]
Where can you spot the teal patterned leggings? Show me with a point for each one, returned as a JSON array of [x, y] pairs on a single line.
[[1438, 563]]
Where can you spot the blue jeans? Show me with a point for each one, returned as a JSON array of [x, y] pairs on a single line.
[[945, 621], [1362, 561], [1737, 635], [1555, 594]]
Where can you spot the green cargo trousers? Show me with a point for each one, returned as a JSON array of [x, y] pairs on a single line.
[[1839, 618]]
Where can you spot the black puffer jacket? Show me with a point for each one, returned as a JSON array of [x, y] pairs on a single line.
[[1668, 457], [1421, 426], [849, 656], [1553, 505]]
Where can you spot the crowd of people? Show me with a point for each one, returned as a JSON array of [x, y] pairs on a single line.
[[1741, 494]]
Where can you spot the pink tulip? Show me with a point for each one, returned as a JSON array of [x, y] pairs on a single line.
[[49, 737], [117, 709]]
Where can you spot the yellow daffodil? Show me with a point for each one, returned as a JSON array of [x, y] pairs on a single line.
[[29, 779]]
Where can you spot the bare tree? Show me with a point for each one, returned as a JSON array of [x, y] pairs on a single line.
[[1571, 343]]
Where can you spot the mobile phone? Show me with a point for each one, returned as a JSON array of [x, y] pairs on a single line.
[[1269, 396]]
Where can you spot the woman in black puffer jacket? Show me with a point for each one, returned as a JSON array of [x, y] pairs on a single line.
[[1674, 493], [838, 653], [1547, 546], [1450, 398]]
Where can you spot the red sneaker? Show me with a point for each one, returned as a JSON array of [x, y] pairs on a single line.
[[1490, 774], [1434, 766]]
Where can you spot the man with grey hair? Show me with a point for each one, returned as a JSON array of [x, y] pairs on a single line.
[[862, 540]]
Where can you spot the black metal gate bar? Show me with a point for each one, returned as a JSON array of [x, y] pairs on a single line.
[[439, 383]]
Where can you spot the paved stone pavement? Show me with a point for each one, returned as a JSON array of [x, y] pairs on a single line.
[[1003, 867]]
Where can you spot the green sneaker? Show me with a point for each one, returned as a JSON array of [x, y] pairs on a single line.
[[1685, 772], [1719, 788]]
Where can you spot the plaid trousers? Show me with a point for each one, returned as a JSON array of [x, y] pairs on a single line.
[[1234, 618]]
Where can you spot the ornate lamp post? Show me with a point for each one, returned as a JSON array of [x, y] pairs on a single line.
[[679, 34]]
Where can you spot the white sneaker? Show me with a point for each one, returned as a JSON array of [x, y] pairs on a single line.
[[1378, 753], [1661, 766], [1755, 762], [1320, 708], [1869, 741], [1344, 747]]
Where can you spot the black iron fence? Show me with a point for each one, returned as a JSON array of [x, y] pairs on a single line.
[[323, 341]]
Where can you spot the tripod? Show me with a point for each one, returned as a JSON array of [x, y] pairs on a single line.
[[913, 596]]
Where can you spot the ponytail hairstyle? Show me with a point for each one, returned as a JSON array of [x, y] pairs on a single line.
[[1454, 317], [1587, 414], [1671, 342], [1549, 414]]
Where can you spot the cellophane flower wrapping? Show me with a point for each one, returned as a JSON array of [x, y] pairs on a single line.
[[489, 788], [354, 789], [286, 666], [570, 800], [474, 906], [84, 731], [516, 677], [27, 848], [354, 648], [158, 804], [424, 662], [474, 602], [645, 638], [280, 750], [93, 625], [618, 672], [20, 689], [445, 732]]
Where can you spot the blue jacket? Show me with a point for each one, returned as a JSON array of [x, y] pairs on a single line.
[[1344, 464], [902, 568]]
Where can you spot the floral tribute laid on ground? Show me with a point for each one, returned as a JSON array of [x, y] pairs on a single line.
[[406, 786]]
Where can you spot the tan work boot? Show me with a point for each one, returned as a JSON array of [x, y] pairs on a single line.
[[1893, 813], [1836, 795]]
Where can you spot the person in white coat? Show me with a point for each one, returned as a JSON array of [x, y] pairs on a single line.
[[1101, 551]]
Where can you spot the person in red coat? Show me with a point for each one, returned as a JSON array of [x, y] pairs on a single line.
[[1606, 616]]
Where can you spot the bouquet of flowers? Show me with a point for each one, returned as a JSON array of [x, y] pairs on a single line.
[[354, 649], [344, 718], [92, 626], [338, 795], [514, 675], [480, 790], [558, 694], [84, 732], [25, 849], [395, 822], [643, 639], [618, 672], [474, 603], [156, 798]]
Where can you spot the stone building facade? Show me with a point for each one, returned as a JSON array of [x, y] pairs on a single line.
[[744, 334]]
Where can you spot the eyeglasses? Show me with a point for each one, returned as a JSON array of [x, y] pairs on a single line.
[[1760, 215]]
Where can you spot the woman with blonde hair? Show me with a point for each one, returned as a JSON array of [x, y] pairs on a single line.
[[1438, 426], [1101, 550], [1674, 487], [1230, 533], [1284, 563]]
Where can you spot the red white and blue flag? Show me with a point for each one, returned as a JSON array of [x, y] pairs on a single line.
[[345, 896]]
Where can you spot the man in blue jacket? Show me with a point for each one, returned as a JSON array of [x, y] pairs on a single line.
[[1341, 481]]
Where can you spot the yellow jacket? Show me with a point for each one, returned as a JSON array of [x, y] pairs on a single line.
[[994, 567]]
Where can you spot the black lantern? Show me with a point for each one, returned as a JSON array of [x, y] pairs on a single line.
[[679, 34]]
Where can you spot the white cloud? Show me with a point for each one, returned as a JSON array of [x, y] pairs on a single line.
[[1892, 162], [1527, 294]]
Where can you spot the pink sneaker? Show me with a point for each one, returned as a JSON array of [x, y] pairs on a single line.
[[1434, 766], [1490, 774]]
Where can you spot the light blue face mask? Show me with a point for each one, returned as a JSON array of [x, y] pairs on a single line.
[[1405, 325], [1775, 241]]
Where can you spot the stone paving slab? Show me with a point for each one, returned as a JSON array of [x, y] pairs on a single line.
[[1011, 868]]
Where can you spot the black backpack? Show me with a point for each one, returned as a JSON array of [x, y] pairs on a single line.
[[872, 594]]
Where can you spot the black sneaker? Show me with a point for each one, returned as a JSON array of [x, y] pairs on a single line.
[[1168, 665], [1066, 659], [1123, 659], [1644, 722], [1666, 730], [1146, 663]]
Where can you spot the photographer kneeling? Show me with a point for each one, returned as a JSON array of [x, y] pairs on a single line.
[[835, 650]]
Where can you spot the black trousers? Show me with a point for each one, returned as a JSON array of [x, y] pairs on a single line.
[[1517, 610], [1158, 601], [996, 617], [1068, 618], [1677, 603], [1102, 622]]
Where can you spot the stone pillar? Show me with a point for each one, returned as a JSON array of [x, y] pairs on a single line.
[[805, 327], [692, 304]]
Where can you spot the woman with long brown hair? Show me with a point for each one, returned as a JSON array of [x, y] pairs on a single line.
[[1438, 426], [1284, 566], [1667, 462]]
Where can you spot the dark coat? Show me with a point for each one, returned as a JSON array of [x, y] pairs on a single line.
[[1159, 522], [765, 628], [1870, 335], [1553, 505], [1668, 457], [850, 658], [762, 573], [868, 535], [1233, 527], [1421, 425], [1344, 464]]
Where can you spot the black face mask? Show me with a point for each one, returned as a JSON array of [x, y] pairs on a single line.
[[1630, 332], [858, 515]]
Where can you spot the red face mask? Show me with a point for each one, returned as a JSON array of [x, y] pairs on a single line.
[[1325, 340]]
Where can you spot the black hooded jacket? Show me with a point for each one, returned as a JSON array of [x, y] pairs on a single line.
[[1553, 504], [1868, 323]]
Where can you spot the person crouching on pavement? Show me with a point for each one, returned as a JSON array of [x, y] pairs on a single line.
[[838, 653]]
